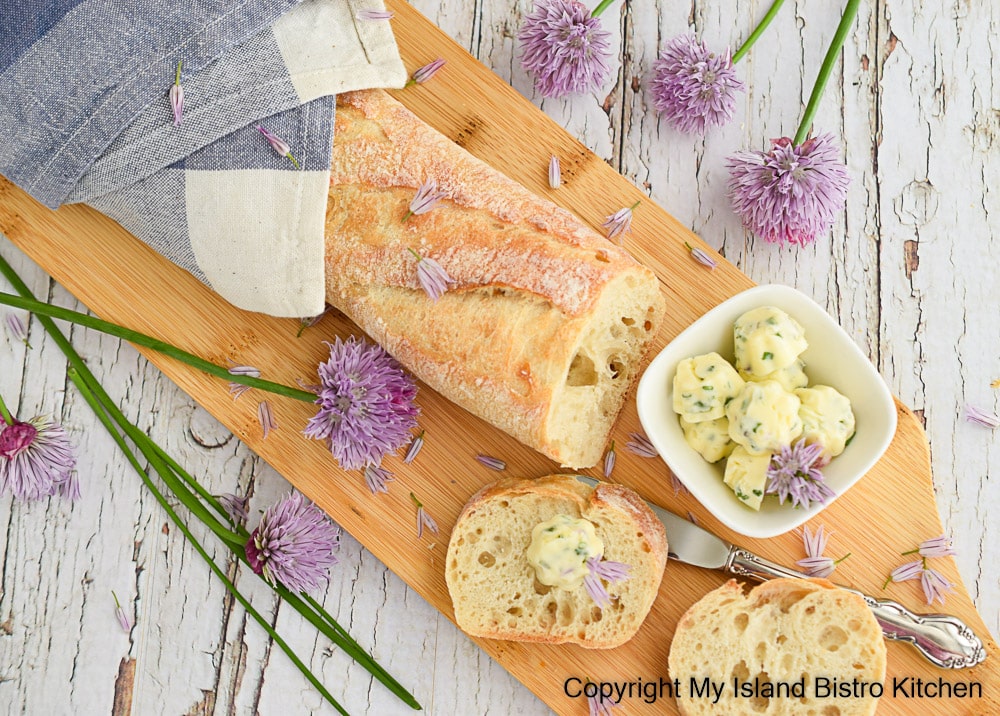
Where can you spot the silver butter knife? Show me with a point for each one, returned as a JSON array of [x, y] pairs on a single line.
[[945, 640]]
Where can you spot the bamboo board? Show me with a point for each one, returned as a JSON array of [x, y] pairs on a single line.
[[886, 513]]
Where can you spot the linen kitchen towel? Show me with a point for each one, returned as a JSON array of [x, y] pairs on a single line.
[[86, 117]]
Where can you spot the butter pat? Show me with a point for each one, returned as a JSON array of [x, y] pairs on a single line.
[[764, 417], [703, 385], [560, 548], [710, 438], [746, 475], [766, 340], [827, 419]]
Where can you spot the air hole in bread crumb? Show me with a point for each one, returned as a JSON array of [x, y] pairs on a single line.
[[542, 588], [515, 611], [781, 639], [581, 371], [760, 652], [486, 559], [596, 614], [617, 368], [831, 711], [832, 638], [566, 614], [628, 321], [741, 620], [648, 325], [740, 671], [602, 256], [760, 703], [854, 625]]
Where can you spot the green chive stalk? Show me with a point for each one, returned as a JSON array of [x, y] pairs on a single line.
[[758, 31], [826, 69], [187, 490], [140, 339]]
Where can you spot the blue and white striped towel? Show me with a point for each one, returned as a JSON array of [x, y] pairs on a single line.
[[85, 117]]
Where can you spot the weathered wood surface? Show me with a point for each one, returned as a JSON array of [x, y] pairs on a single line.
[[910, 271]]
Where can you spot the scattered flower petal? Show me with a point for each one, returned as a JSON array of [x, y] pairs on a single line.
[[422, 74], [609, 460], [817, 566], [246, 370], [601, 571], [700, 256], [237, 389], [37, 460], [908, 571], [366, 404], [934, 585], [377, 477], [981, 417], [691, 518], [16, 328], [564, 47], [294, 544], [937, 547], [814, 542], [792, 193], [424, 200], [555, 173], [266, 418], [692, 87], [122, 616], [423, 519], [600, 704], [678, 486], [640, 445], [235, 507], [793, 473], [279, 145], [431, 276], [415, 447], [177, 97], [492, 462], [375, 14], [620, 222]]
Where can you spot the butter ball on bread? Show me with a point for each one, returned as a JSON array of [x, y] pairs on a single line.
[[788, 647], [495, 590]]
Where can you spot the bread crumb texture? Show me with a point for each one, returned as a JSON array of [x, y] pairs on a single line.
[[782, 632], [494, 589]]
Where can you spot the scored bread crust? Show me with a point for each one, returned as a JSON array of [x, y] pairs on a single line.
[[543, 328], [781, 631], [498, 597]]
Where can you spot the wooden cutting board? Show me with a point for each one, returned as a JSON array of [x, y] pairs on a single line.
[[888, 512]]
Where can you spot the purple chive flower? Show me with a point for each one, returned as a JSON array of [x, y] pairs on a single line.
[[237, 389], [555, 173], [937, 547], [677, 484], [422, 74], [700, 256], [279, 145], [934, 585], [908, 571], [981, 417], [426, 198], [692, 87], [37, 460], [294, 544], [376, 478], [619, 223], [815, 564], [640, 445], [432, 276], [122, 616], [564, 47], [599, 704], [177, 97], [691, 518], [235, 507], [414, 449], [423, 519], [793, 474], [609, 460], [266, 418], [375, 14], [365, 400], [791, 193], [492, 463], [601, 571], [16, 328]]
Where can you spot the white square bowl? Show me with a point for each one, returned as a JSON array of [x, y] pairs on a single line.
[[832, 358]]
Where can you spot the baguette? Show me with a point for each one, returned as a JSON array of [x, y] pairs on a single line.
[[495, 590], [782, 633], [545, 324]]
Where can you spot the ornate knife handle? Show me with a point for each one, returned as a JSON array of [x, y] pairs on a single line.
[[944, 640]]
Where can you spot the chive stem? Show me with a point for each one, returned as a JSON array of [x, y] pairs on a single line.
[[601, 7], [758, 31], [5, 413]]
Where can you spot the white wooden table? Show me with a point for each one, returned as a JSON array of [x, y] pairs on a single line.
[[910, 270]]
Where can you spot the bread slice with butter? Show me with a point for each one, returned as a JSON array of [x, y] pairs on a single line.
[[788, 647], [497, 592]]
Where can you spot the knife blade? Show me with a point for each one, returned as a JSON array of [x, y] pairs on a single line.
[[945, 640]]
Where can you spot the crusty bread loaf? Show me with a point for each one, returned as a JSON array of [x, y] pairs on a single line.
[[544, 327], [783, 632], [494, 589]]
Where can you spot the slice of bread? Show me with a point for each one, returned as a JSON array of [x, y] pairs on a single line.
[[782, 633], [494, 588]]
